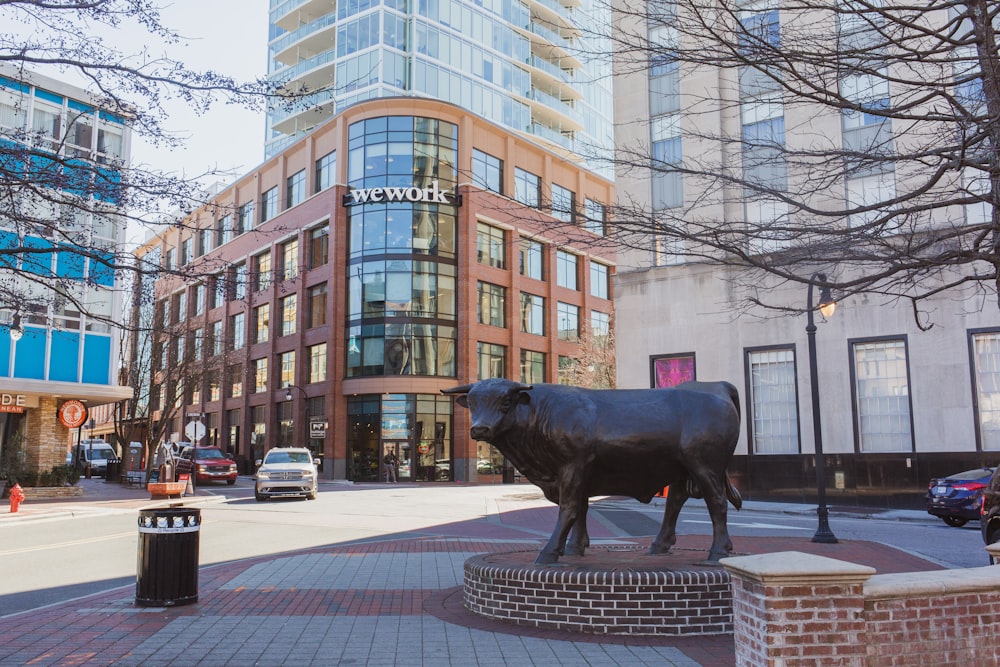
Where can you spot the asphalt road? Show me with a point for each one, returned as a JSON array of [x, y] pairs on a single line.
[[52, 560]]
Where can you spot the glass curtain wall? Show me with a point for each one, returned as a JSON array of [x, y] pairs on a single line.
[[401, 298]]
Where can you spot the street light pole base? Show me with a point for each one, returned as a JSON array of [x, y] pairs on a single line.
[[823, 533]]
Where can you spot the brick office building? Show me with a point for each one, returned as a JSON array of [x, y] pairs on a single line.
[[402, 247]]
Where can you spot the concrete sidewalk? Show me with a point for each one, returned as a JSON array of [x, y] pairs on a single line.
[[390, 601]]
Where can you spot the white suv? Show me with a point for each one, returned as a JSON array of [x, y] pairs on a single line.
[[287, 471]]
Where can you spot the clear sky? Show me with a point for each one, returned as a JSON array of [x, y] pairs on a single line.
[[229, 37]]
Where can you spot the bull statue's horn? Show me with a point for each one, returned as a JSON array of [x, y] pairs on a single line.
[[464, 389]]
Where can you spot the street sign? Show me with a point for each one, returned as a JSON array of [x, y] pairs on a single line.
[[195, 431]]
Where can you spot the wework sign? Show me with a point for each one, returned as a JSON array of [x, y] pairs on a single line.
[[428, 195]]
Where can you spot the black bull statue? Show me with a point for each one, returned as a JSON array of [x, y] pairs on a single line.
[[575, 443]]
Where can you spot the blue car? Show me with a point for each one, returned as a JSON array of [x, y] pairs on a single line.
[[958, 498]]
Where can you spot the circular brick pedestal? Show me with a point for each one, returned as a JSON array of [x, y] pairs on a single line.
[[607, 591]]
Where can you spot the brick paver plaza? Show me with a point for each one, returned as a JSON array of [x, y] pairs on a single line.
[[396, 601]]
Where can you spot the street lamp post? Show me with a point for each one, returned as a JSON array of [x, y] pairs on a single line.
[[288, 397], [826, 306]]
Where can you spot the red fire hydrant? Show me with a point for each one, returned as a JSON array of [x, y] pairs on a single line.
[[16, 498]]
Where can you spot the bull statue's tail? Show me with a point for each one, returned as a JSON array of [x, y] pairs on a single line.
[[733, 494]]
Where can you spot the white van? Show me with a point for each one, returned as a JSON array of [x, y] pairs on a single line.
[[93, 454]]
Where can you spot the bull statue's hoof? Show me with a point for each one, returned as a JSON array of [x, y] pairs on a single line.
[[546, 559]]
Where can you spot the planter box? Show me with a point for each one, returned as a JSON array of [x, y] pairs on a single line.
[[162, 490], [44, 492]]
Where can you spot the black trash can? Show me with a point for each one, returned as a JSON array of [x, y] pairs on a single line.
[[167, 569], [113, 473]]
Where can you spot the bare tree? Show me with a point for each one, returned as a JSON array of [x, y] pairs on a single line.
[[59, 195], [594, 365], [855, 137]]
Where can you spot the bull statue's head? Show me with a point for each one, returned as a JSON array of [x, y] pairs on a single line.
[[489, 401]]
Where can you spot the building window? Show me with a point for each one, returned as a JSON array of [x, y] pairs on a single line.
[[319, 246], [667, 181], [316, 296], [180, 307], [598, 280], [214, 385], [198, 296], [531, 255], [566, 269], [532, 314], [527, 188], [237, 331], [568, 317], [295, 192], [239, 281], [492, 305], [234, 380], [882, 394], [492, 360], [600, 327], [567, 369], [198, 345], [168, 260], [595, 217], [260, 375], [262, 322], [245, 218], [186, 256], [986, 373], [773, 402], [325, 168], [262, 270], [268, 205], [532, 367], [288, 309], [224, 230], [487, 171], [217, 297], [289, 259], [287, 362], [491, 245], [216, 338], [563, 203], [204, 241], [317, 363]]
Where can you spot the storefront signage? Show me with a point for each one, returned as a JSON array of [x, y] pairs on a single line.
[[317, 428], [13, 402], [72, 414], [431, 195]]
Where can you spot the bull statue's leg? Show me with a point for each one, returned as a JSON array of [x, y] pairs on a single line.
[[713, 486], [579, 539], [554, 547], [676, 497], [572, 506]]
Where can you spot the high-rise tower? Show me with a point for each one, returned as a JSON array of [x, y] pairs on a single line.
[[536, 67]]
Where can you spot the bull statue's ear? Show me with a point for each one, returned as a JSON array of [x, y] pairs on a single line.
[[463, 400], [522, 394]]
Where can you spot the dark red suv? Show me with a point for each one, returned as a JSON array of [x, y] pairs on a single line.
[[210, 464]]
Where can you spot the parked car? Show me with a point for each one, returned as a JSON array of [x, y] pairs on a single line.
[[287, 471], [209, 463], [93, 454], [989, 519], [957, 499]]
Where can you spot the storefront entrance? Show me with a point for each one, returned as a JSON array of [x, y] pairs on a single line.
[[413, 427]]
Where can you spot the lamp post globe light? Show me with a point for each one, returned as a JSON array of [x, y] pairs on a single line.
[[826, 306]]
